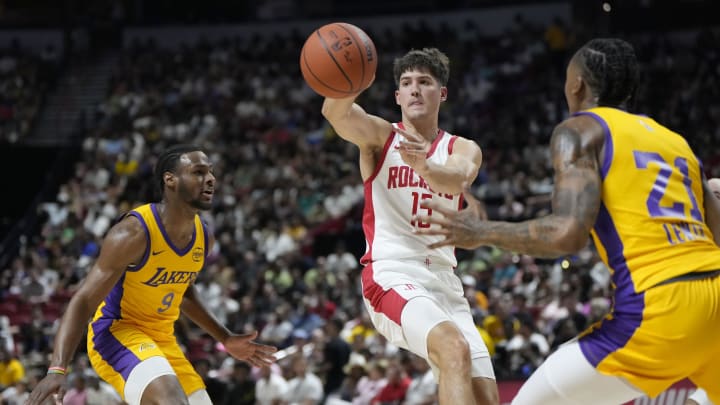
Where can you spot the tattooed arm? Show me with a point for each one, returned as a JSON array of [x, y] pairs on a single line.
[[575, 203]]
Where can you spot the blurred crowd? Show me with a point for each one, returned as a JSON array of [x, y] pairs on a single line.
[[288, 205], [25, 79]]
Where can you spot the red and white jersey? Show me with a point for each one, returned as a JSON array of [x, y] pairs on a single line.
[[393, 194]]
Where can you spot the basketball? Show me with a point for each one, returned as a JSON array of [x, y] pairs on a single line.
[[338, 60]]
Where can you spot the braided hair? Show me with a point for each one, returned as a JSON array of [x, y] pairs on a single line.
[[168, 162], [610, 68]]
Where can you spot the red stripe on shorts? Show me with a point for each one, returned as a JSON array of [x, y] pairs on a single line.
[[386, 302]]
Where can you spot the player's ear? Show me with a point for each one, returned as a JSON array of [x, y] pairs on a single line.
[[443, 93], [397, 97], [578, 85], [169, 179]]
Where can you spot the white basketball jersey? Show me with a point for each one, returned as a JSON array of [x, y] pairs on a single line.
[[393, 194]]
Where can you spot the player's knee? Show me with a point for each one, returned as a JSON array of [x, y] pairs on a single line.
[[448, 348], [164, 390]]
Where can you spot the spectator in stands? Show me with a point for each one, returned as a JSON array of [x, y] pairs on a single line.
[[77, 394], [270, 387], [100, 393], [15, 394], [336, 354], [216, 389], [305, 387], [423, 388], [241, 387], [394, 391], [527, 349], [371, 384], [11, 369]]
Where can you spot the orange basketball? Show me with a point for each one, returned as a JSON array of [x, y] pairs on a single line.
[[338, 60]]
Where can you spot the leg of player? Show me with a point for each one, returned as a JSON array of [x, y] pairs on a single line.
[[154, 382], [485, 388], [566, 378], [431, 333], [448, 349], [165, 389]]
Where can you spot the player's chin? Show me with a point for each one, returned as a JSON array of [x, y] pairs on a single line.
[[416, 111], [204, 204]]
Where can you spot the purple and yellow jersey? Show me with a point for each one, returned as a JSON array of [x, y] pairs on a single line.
[[650, 228], [137, 319], [651, 225], [149, 294]]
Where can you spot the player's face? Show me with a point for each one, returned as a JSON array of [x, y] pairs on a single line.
[[573, 82], [196, 184], [419, 94]]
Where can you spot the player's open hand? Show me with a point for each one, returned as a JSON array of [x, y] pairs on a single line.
[[49, 390], [413, 149], [460, 228], [242, 347]]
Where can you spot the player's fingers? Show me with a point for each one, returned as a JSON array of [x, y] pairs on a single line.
[[435, 206], [431, 231], [442, 243], [264, 358], [265, 349], [36, 397], [409, 135], [252, 362], [250, 336]]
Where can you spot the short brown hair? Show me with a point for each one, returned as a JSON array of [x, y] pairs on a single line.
[[431, 60]]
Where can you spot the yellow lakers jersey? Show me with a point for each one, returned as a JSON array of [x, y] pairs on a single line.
[[651, 224], [149, 293]]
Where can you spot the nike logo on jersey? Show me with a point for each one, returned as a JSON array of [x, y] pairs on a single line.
[[157, 253]]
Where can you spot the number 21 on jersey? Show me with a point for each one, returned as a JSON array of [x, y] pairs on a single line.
[[683, 231]]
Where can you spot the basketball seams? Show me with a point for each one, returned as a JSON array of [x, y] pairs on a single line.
[[332, 57], [320, 81], [357, 41], [343, 43]]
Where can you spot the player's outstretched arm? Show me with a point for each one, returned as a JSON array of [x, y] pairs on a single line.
[[242, 347], [124, 245], [461, 167], [353, 124], [575, 203]]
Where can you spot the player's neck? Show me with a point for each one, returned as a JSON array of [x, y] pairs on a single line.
[[176, 217]]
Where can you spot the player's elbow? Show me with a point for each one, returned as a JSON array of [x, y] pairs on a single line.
[[571, 240], [565, 235], [332, 110]]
